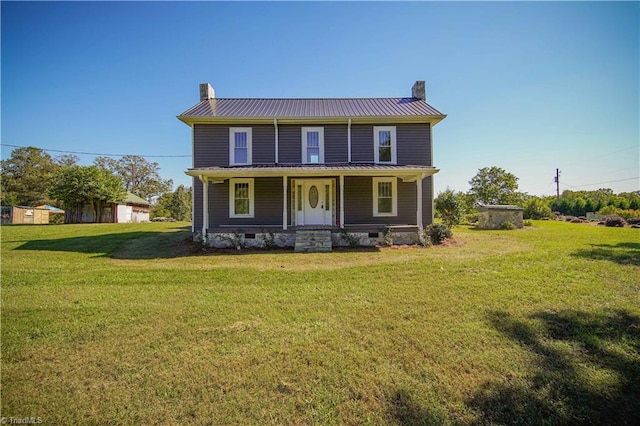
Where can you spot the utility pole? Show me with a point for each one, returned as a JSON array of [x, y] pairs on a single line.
[[557, 180]]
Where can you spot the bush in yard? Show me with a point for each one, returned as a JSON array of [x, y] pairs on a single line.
[[508, 226], [449, 206], [536, 208], [437, 233], [471, 218], [614, 221]]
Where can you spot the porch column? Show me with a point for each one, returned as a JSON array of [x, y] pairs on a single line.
[[342, 201], [284, 203], [205, 205], [419, 202]]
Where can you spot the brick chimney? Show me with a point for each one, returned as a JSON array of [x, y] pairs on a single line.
[[206, 92], [419, 90]]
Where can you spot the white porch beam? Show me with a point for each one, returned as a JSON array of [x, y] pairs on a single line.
[[342, 201], [419, 221], [284, 203]]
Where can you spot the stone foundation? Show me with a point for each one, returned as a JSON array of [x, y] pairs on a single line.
[[288, 239]]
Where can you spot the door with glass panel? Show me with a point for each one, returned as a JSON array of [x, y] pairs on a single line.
[[314, 202]]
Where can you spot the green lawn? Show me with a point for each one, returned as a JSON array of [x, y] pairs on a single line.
[[123, 324]]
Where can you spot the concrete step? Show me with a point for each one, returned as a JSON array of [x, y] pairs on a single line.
[[313, 241]]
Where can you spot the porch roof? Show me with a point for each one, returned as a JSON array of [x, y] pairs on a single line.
[[308, 170]]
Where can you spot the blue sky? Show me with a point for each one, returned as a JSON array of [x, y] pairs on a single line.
[[529, 87]]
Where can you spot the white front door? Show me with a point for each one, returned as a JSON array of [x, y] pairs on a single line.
[[314, 202]]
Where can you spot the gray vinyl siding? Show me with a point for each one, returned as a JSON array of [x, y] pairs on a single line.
[[358, 203], [210, 145], [264, 145], [414, 144], [361, 144], [289, 144], [427, 200], [197, 205], [211, 148], [335, 143], [267, 204]]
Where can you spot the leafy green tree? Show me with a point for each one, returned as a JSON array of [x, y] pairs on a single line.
[[67, 160], [494, 185], [138, 175], [180, 204], [579, 207], [175, 204], [633, 198], [27, 176], [76, 186], [578, 203], [450, 207]]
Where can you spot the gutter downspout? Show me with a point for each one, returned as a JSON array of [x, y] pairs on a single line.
[[275, 124], [349, 141]]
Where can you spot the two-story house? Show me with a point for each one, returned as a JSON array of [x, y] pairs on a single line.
[[272, 168]]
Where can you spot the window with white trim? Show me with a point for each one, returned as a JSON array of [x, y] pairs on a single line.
[[240, 146], [312, 145], [384, 149], [385, 196], [241, 198]]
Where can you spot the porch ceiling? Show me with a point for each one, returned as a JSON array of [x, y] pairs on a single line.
[[406, 172]]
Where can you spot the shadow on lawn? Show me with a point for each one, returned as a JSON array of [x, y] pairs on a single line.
[[621, 253], [586, 370], [123, 245], [142, 245], [407, 412]]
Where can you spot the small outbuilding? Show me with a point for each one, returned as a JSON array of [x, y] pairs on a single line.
[[494, 217], [25, 215], [134, 209]]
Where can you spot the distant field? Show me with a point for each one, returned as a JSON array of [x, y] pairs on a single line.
[[126, 324]]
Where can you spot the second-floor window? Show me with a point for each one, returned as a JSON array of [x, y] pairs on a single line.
[[239, 146], [384, 139], [312, 145]]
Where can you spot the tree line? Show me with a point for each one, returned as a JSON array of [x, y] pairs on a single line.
[[32, 177], [494, 185]]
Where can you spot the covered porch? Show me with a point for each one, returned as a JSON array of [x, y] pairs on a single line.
[[360, 198]]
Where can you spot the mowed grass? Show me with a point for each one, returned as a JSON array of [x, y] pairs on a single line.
[[122, 324]]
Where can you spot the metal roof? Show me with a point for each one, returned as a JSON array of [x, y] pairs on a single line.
[[313, 170], [134, 199], [310, 108]]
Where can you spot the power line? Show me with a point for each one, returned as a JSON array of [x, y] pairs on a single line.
[[600, 183], [96, 153]]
